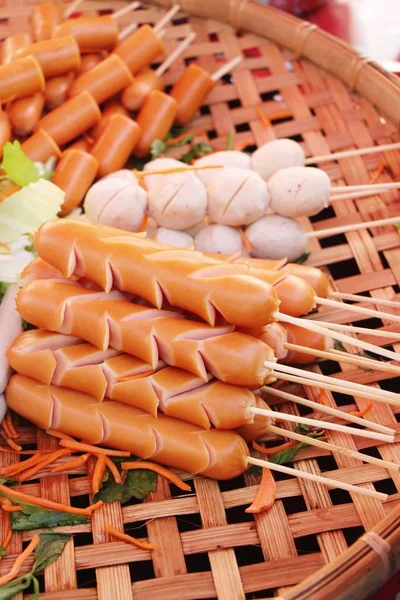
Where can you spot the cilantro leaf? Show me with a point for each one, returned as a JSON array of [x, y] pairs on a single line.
[[18, 167], [302, 258], [50, 547], [35, 517], [196, 151], [254, 470], [157, 148], [138, 483], [14, 587], [230, 139], [3, 551]]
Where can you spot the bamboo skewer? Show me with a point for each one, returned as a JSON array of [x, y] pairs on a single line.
[[366, 299], [226, 68], [166, 18], [349, 153], [365, 187], [127, 31], [393, 335], [125, 10], [370, 312], [355, 195], [336, 335], [345, 357], [175, 54], [335, 412], [357, 389], [373, 435], [70, 9], [321, 233], [317, 478], [333, 448]]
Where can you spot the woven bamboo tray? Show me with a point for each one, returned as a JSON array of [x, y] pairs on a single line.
[[311, 545]]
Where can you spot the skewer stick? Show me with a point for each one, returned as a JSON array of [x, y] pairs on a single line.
[[370, 312], [71, 8], [127, 31], [166, 18], [175, 54], [355, 195], [336, 335], [354, 329], [348, 153], [365, 187], [335, 412], [357, 389], [344, 357], [334, 448], [334, 483], [321, 233], [125, 10], [366, 299], [373, 435], [226, 68]]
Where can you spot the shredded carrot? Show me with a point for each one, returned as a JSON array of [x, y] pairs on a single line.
[[242, 145], [78, 461], [380, 170], [20, 561], [21, 466], [28, 452], [363, 412], [177, 139], [323, 398], [245, 240], [266, 494], [73, 445], [129, 538], [6, 429], [126, 466], [11, 507], [48, 504], [6, 542], [144, 223], [263, 118], [47, 460], [280, 114], [275, 449], [59, 434], [113, 470], [98, 472], [140, 174], [13, 445], [5, 246], [14, 432]]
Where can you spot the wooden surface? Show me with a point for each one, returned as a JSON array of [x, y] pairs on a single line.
[[208, 547]]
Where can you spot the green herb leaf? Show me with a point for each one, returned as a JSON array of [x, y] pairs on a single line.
[[157, 148], [254, 470], [303, 429], [138, 483], [230, 139], [3, 289], [14, 587], [285, 456], [339, 346], [36, 589], [302, 258], [18, 167], [35, 517], [50, 547], [196, 151], [3, 551]]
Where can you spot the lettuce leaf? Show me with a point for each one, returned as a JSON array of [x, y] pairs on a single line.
[[18, 167]]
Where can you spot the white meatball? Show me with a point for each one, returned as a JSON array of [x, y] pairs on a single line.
[[299, 191], [218, 239], [180, 239], [116, 202], [226, 158], [237, 197], [276, 237], [275, 155], [178, 205], [163, 164]]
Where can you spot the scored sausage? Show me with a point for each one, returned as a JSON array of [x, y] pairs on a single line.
[[25, 113], [259, 428], [307, 338], [213, 453]]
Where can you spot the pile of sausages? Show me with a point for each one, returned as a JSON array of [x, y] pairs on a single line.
[[153, 350]]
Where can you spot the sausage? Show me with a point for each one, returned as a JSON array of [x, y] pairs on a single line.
[[115, 144], [155, 120], [299, 191], [92, 34], [142, 267], [190, 91], [275, 237], [274, 335], [11, 327], [53, 358], [149, 334], [56, 90], [38, 269], [226, 158], [25, 113], [110, 108], [213, 453], [275, 155], [5, 130], [74, 174], [82, 143], [12, 44], [88, 61], [106, 79], [71, 119], [40, 147], [259, 428], [140, 48], [56, 57], [22, 77], [136, 93], [44, 19], [304, 337]]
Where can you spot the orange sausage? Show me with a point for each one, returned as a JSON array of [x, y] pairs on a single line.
[[105, 320], [304, 337], [5, 130], [56, 90], [105, 80], [38, 269], [81, 144], [190, 91], [92, 34], [136, 93], [74, 174], [20, 78], [44, 19], [110, 108], [142, 267], [71, 119], [140, 48], [213, 453], [115, 144], [274, 335], [259, 428], [155, 120], [25, 113], [40, 147], [56, 57], [12, 44], [88, 61]]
